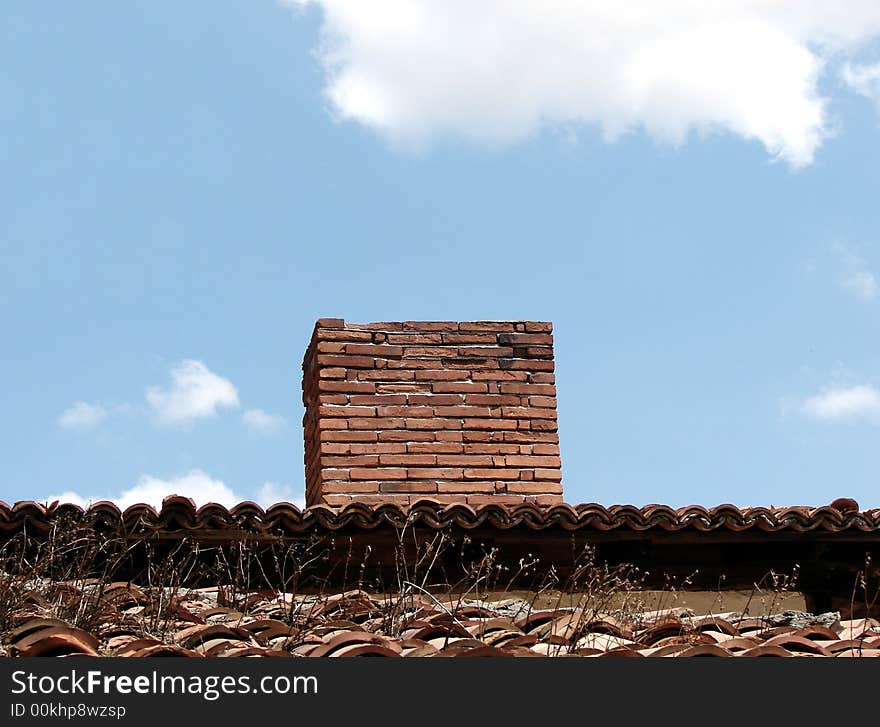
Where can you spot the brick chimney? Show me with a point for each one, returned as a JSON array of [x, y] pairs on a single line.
[[455, 412]]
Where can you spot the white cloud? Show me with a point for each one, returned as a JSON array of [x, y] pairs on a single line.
[[854, 275], [864, 79], [261, 421], [498, 71], [851, 402], [273, 492], [82, 415], [195, 392], [862, 283], [196, 484]]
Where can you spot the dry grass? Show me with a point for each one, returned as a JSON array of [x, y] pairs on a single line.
[[75, 574]]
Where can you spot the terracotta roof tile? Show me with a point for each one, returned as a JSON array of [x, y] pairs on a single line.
[[178, 513]]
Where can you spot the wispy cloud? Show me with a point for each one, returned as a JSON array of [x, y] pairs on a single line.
[[261, 421], [195, 484], [864, 79], [497, 71], [151, 490], [854, 274], [846, 402], [271, 493], [862, 283], [82, 415], [195, 392]]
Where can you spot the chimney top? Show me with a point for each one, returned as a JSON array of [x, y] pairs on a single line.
[[458, 412]]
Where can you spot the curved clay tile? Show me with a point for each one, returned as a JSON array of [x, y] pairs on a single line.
[[704, 650], [58, 645]]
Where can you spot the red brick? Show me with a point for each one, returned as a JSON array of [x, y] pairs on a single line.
[[534, 488], [332, 373], [528, 437], [552, 475], [449, 436], [544, 425], [367, 349], [525, 364], [330, 323], [378, 473], [520, 412], [433, 424], [349, 362], [435, 399], [405, 411], [493, 448], [441, 375], [463, 388], [529, 389], [377, 399], [325, 423], [434, 473], [466, 487], [407, 459], [485, 351], [422, 326], [408, 339], [362, 460], [538, 327], [500, 376], [335, 448], [493, 424], [348, 487], [413, 364], [542, 378], [331, 347], [532, 461], [333, 399], [336, 500], [347, 387], [474, 364], [347, 436], [492, 400], [405, 388], [535, 352], [469, 460], [545, 449], [435, 447], [379, 448], [496, 473], [478, 500], [408, 487], [461, 411], [346, 411], [475, 338], [494, 326], [377, 423], [381, 499], [525, 339], [478, 436], [543, 401], [385, 375], [426, 351], [323, 334], [406, 436]]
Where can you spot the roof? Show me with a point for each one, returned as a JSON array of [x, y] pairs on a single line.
[[207, 622], [179, 513]]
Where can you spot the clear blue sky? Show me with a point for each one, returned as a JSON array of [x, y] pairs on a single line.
[[199, 181]]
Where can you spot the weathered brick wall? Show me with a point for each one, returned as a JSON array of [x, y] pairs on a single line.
[[455, 412]]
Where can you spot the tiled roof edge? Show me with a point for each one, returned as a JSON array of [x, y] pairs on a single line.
[[180, 513]]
